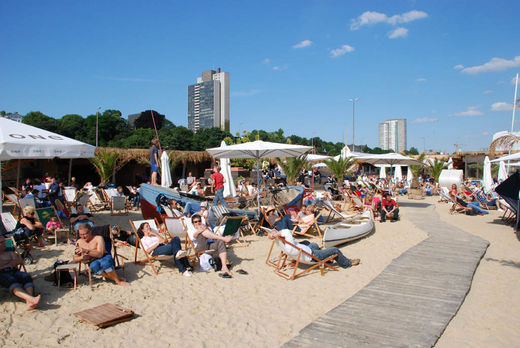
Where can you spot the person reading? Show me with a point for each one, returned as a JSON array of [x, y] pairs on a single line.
[[91, 250], [19, 283]]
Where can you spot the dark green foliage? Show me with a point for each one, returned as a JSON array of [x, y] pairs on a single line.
[[145, 120], [38, 119]]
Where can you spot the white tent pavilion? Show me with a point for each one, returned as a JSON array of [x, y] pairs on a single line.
[[487, 180], [398, 174], [166, 175], [21, 141], [258, 149]]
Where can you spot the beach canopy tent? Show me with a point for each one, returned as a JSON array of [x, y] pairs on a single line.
[[487, 179], [258, 149], [21, 141]]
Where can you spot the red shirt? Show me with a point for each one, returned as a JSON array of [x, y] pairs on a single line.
[[386, 203], [218, 180]]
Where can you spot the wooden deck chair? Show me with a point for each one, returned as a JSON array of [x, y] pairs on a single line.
[[94, 202], [313, 227], [291, 253], [69, 195], [333, 213], [45, 214], [9, 221], [119, 206], [10, 245], [220, 211], [15, 201], [15, 191], [138, 245], [27, 202], [231, 226], [194, 257], [175, 227]]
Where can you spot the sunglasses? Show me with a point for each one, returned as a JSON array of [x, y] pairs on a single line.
[[196, 221]]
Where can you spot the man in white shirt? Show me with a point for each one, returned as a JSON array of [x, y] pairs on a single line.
[[313, 249]]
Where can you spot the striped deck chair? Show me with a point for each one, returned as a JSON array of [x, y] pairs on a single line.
[[138, 245], [12, 198], [119, 205], [15, 190], [27, 202], [290, 253], [221, 212]]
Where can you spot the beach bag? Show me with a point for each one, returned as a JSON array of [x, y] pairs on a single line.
[[205, 264], [215, 263]]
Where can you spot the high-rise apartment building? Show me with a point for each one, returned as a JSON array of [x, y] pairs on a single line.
[[208, 101], [392, 135]]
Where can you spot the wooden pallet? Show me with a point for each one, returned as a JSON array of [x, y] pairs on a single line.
[[105, 315]]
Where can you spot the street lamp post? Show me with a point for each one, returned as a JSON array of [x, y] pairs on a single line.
[[353, 101], [97, 122]]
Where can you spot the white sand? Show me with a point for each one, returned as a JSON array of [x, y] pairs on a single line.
[[259, 309]]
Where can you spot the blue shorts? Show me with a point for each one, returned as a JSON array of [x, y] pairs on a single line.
[[154, 167], [12, 278], [104, 264]]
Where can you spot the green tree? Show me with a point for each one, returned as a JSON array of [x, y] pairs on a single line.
[[412, 151], [40, 120], [340, 167], [181, 139], [436, 168], [72, 126], [107, 163], [292, 167]]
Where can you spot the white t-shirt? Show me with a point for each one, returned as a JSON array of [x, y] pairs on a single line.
[[150, 241], [287, 235]]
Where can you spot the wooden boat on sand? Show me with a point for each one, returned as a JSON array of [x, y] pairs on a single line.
[[348, 230]]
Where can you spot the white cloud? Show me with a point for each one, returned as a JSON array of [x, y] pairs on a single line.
[[495, 64], [458, 67], [370, 18], [398, 32], [470, 112], [280, 67], [487, 91], [266, 61], [304, 43], [341, 51], [421, 79], [246, 93], [425, 120], [501, 106]]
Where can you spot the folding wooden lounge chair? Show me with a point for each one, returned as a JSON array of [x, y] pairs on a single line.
[[148, 258], [229, 226], [69, 194], [45, 214], [333, 213], [221, 212], [175, 227], [95, 203], [313, 227], [15, 190], [194, 255], [28, 201], [15, 201], [119, 206], [291, 253]]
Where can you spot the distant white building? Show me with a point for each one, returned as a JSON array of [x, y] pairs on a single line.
[[14, 117], [392, 135]]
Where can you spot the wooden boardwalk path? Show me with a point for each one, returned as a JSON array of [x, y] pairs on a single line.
[[412, 301]]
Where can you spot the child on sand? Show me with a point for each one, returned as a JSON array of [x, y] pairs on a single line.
[[52, 225]]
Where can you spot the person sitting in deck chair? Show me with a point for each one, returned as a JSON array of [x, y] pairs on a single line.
[[304, 219], [204, 239], [80, 217], [91, 250], [19, 283], [156, 245], [313, 249]]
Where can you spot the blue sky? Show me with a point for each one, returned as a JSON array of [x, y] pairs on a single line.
[[445, 66]]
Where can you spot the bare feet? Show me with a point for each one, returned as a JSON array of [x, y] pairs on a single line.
[[122, 283], [32, 302], [355, 262]]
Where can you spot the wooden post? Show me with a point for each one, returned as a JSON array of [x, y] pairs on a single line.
[[18, 175], [70, 171]]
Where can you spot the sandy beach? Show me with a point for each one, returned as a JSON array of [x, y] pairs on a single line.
[[259, 309]]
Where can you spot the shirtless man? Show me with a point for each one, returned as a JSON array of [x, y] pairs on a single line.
[[200, 236], [19, 283], [91, 249]]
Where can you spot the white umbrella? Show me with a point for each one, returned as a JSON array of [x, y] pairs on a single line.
[[229, 186], [258, 149], [502, 172], [319, 165], [390, 159], [398, 174], [315, 157], [409, 176], [450, 163], [166, 175], [486, 178], [21, 141]]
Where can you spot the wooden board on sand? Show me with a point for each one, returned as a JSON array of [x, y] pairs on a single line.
[[105, 315]]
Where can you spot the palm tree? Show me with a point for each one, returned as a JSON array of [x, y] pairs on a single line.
[[339, 167], [107, 163], [416, 170], [436, 168], [292, 167]]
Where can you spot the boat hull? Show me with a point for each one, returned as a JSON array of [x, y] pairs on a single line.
[[348, 230]]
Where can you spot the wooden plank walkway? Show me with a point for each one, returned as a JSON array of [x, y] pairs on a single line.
[[412, 301]]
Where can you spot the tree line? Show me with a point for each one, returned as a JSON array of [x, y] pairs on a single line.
[[115, 131]]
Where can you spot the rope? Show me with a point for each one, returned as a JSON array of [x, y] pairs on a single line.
[[155, 127]]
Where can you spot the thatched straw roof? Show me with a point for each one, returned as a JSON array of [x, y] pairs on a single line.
[[507, 141], [143, 155]]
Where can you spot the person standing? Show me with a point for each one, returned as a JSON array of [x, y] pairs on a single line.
[[154, 161], [217, 187]]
